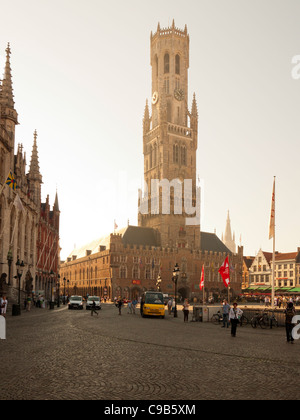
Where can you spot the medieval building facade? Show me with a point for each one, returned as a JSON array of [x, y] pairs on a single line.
[[20, 207], [131, 260]]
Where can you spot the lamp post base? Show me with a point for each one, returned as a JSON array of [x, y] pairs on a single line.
[[16, 310]]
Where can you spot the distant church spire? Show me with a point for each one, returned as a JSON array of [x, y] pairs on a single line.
[[228, 239]]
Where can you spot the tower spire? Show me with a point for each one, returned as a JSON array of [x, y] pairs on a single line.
[[34, 164], [7, 90], [34, 176]]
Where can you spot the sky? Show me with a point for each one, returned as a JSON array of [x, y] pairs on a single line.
[[81, 76]]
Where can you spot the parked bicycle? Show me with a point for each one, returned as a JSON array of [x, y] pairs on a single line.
[[217, 318], [264, 320]]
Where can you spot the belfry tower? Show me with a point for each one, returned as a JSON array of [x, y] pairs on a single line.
[[170, 141]]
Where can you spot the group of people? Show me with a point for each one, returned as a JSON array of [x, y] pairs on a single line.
[[233, 315], [282, 301], [131, 304]]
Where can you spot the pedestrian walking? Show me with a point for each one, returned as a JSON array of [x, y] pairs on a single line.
[[133, 305], [129, 307], [28, 306], [3, 305], [226, 309], [186, 310], [170, 306], [235, 315], [290, 312], [93, 309], [119, 305]]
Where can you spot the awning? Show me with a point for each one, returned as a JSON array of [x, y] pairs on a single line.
[[295, 290]]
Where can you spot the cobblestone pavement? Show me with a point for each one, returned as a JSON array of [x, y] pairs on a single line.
[[65, 354]]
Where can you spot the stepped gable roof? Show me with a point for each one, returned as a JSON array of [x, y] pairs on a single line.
[[210, 242], [268, 256], [137, 235]]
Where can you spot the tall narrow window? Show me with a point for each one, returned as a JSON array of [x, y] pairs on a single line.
[[177, 64], [167, 63]]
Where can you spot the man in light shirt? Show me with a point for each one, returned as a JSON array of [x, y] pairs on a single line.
[[226, 309]]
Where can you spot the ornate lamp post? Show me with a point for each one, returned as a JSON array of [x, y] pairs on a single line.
[[9, 261], [20, 268], [58, 290], [51, 289], [158, 283], [64, 299], [175, 280]]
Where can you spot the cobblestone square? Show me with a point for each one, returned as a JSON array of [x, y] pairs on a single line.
[[62, 354]]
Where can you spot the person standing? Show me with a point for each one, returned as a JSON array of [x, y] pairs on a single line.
[[290, 312], [226, 309], [3, 305], [186, 310], [234, 316]]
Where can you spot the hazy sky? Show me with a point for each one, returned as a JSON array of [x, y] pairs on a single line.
[[81, 77]]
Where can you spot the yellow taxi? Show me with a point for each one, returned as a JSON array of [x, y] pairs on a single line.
[[152, 304]]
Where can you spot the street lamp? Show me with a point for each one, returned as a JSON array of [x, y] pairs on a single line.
[[9, 261], [58, 290], [20, 268], [64, 300], [51, 289], [175, 280], [158, 283]]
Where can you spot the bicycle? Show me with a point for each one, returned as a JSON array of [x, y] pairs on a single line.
[[217, 318], [264, 320], [243, 321]]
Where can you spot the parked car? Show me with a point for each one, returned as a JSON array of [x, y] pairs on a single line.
[[89, 302], [75, 302]]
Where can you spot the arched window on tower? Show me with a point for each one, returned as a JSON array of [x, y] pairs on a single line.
[[156, 66], [167, 63], [177, 64], [175, 153], [183, 156]]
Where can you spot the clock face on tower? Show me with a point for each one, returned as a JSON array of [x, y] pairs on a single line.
[[179, 94], [155, 98]]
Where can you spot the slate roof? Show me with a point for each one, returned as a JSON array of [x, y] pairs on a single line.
[[210, 242], [136, 235]]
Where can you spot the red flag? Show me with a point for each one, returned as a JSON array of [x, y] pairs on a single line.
[[202, 279], [225, 272]]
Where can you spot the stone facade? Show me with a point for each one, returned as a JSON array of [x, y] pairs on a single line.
[[20, 208]]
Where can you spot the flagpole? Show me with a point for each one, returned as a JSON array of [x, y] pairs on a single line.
[[273, 273]]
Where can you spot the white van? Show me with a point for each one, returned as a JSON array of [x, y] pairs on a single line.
[[75, 302], [89, 302]]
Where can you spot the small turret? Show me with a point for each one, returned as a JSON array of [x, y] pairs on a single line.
[[34, 176]]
